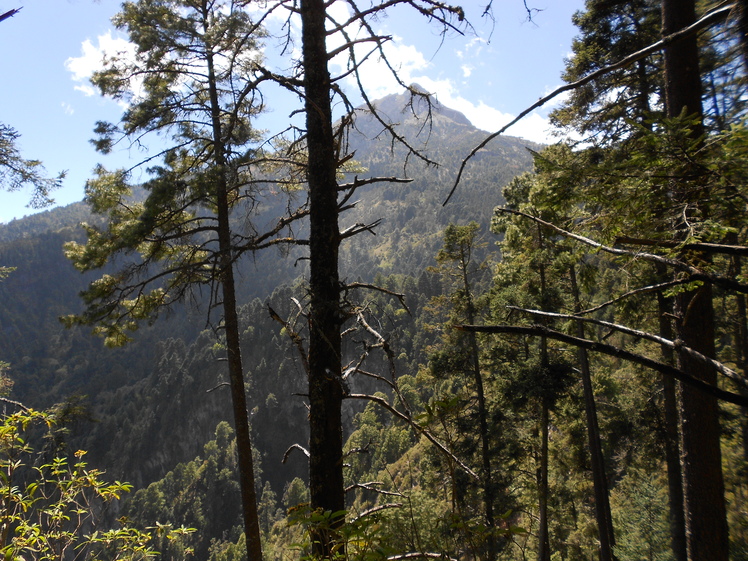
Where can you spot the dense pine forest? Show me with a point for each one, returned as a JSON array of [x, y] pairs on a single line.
[[386, 334]]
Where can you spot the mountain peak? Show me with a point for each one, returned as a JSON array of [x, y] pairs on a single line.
[[415, 103]]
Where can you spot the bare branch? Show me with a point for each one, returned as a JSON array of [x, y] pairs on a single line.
[[370, 486], [222, 384], [421, 430], [703, 247], [676, 345], [597, 245], [419, 555], [376, 509], [297, 339], [361, 182], [360, 227], [18, 404], [611, 350], [695, 273], [398, 295], [353, 43], [642, 290], [9, 13], [384, 344], [298, 447]]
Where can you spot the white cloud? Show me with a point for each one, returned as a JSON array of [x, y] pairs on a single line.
[[92, 58], [475, 46], [376, 77], [87, 89], [67, 108], [467, 70], [534, 127], [339, 12]]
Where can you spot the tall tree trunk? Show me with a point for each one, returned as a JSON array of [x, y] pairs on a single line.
[[325, 320], [239, 405], [544, 548], [488, 494], [600, 482], [703, 486], [231, 327], [488, 491], [671, 437]]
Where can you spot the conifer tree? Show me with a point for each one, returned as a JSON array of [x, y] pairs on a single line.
[[460, 355], [189, 89], [532, 257], [678, 209], [604, 109], [17, 172]]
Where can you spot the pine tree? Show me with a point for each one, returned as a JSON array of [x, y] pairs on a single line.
[[461, 356], [190, 88], [605, 109], [17, 172]]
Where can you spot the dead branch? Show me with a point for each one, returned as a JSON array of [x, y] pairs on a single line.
[[18, 404], [298, 447], [370, 486], [597, 245], [676, 345], [297, 339], [398, 295], [376, 509], [700, 246], [421, 430], [360, 227], [695, 273], [389, 127], [9, 13], [643, 290], [363, 450], [222, 384], [382, 342], [419, 555], [356, 183], [611, 350], [368, 374]]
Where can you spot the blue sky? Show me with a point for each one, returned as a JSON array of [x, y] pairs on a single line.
[[51, 46]]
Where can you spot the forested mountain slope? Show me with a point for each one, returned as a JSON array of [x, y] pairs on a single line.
[[156, 402]]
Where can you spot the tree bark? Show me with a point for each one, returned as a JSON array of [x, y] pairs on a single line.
[[325, 320], [600, 482], [488, 491], [703, 486], [231, 328], [241, 418], [671, 437], [544, 549]]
